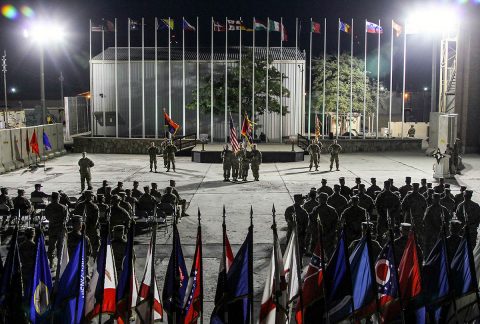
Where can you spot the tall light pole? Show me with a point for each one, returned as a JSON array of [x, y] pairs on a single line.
[[42, 85], [61, 79], [4, 70]]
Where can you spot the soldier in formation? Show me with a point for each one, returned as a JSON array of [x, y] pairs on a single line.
[[169, 151], [152, 153], [243, 158], [314, 151], [334, 150], [295, 215], [227, 157], [56, 214], [235, 166], [85, 165], [256, 160]]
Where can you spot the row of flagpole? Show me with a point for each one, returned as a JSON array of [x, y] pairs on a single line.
[[238, 25]]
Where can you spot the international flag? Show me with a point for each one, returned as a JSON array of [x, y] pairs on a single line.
[[364, 299], [233, 136], [315, 27], [34, 143], [193, 303], [274, 298], [11, 285], [373, 28], [338, 283], [247, 129], [174, 291], [397, 28], [100, 301], [409, 270], [435, 282], [41, 288], [387, 283], [172, 126], [218, 27], [235, 25], [167, 23], [149, 308], [127, 288], [344, 27], [273, 25], [290, 267], [135, 25], [46, 142], [284, 34], [96, 28], [312, 290], [463, 273], [70, 298], [317, 127], [64, 259], [109, 26], [259, 25], [187, 26]]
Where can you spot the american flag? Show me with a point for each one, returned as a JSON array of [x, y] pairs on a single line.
[[233, 136]]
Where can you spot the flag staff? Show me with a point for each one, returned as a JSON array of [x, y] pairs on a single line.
[[143, 77], [324, 74], [299, 258], [116, 81], [267, 96], [129, 84], [378, 76], [211, 84], [351, 83], [391, 86], [103, 78], [250, 269], [224, 278], [156, 78], [201, 255], [281, 79], [90, 75], [338, 80], [310, 87], [277, 271], [403, 81], [198, 91], [169, 70], [365, 82], [226, 77], [183, 76], [294, 106], [253, 78], [240, 75]]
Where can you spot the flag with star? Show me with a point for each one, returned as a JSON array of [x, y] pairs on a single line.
[[387, 283]]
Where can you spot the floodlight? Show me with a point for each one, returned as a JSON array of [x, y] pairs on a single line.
[[433, 19], [45, 32]]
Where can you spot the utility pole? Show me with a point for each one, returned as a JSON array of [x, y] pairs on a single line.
[[4, 70], [61, 79]]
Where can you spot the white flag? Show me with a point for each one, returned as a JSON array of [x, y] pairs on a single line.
[[290, 260]]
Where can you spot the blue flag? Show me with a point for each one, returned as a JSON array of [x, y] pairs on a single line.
[[339, 284], [362, 278], [462, 271], [70, 298], [46, 142], [41, 286], [127, 282], [11, 286], [435, 274], [169, 293]]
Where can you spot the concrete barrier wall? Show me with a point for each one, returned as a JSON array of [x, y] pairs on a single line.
[[15, 150]]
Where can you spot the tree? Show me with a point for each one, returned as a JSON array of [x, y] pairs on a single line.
[[274, 85]]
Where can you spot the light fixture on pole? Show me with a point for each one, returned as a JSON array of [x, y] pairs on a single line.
[[44, 33], [4, 70]]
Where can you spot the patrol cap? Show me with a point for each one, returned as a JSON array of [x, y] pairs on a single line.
[[168, 189], [336, 186], [122, 194], [323, 195], [55, 195], [354, 198], [115, 198], [423, 180], [341, 178], [430, 191], [297, 197], [172, 183], [386, 182], [104, 182], [468, 193], [38, 185], [313, 189], [373, 179], [88, 193], [120, 184], [21, 191], [76, 219], [146, 188], [416, 185], [358, 179], [154, 184], [463, 188], [135, 182], [324, 180], [127, 191], [391, 180], [408, 178], [429, 185], [367, 224], [362, 185]]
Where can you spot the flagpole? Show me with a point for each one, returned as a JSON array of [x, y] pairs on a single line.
[[211, 86], [169, 72], [450, 283], [253, 79], [198, 91], [391, 87], [183, 75], [103, 76], [378, 77], [295, 108], [351, 82], [143, 78], [403, 81], [250, 267], [324, 74], [267, 97], [156, 79], [240, 75], [297, 252], [322, 262], [365, 81], [276, 280], [226, 77], [129, 85], [90, 75], [281, 79], [116, 81], [338, 79], [152, 268], [310, 86], [224, 256]]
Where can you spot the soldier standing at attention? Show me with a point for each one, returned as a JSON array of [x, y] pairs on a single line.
[[163, 151], [432, 223], [344, 190], [170, 150], [411, 131], [85, 165], [296, 210], [314, 152], [337, 201], [256, 160], [423, 186], [459, 197], [244, 162], [453, 241], [152, 152], [227, 157], [74, 237], [119, 243], [352, 218], [334, 149], [92, 215], [373, 189], [468, 212], [325, 188], [235, 166], [56, 215], [328, 218], [387, 203], [405, 189], [414, 206], [27, 253], [135, 192]]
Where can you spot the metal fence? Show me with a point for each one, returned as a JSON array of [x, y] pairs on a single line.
[[77, 117]]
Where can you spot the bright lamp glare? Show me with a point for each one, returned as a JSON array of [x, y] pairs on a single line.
[[44, 33], [433, 19]]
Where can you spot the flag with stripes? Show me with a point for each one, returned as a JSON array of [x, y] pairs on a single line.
[[233, 136], [317, 127]]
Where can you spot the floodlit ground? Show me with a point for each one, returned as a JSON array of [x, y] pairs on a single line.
[[202, 185]]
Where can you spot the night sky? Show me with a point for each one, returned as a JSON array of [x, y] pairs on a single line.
[[72, 57]]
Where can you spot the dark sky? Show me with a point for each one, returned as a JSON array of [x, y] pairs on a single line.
[[72, 57]]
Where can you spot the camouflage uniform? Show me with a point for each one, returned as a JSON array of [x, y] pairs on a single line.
[[454, 239], [414, 205], [337, 201], [56, 215], [352, 218], [27, 251], [243, 158], [119, 216], [235, 166], [8, 203], [119, 243], [405, 189], [386, 200], [227, 157], [334, 149], [366, 202], [152, 153], [170, 150], [472, 209], [91, 223], [373, 189], [329, 222], [302, 223], [256, 160], [163, 151], [180, 201], [85, 165], [324, 188], [411, 132], [432, 223], [447, 202], [314, 152]]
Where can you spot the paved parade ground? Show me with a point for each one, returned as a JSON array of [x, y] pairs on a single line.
[[203, 186]]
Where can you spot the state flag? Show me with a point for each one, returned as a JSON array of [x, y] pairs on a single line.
[[315, 27]]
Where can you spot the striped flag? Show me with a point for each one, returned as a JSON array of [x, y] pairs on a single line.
[[317, 127], [233, 136], [247, 130]]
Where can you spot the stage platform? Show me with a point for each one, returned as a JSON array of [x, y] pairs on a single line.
[[270, 153]]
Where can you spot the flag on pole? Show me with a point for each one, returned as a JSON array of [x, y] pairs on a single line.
[[259, 25], [34, 143], [397, 28], [11, 286], [317, 127], [193, 303], [70, 298], [135, 25], [273, 25], [149, 308], [100, 299], [187, 26], [387, 283], [315, 27], [167, 23], [247, 130], [172, 126], [64, 259], [218, 27], [290, 267], [96, 28], [46, 142], [41, 287], [233, 136], [127, 289], [235, 25], [373, 28], [174, 291], [409, 270], [344, 27]]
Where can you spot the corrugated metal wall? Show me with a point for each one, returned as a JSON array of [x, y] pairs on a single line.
[[103, 93]]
